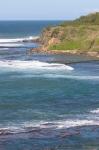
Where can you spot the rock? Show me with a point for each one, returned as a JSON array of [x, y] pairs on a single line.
[[93, 54], [53, 41]]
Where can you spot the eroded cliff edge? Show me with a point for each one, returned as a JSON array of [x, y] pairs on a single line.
[[75, 37]]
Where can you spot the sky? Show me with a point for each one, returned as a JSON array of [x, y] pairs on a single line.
[[46, 9]]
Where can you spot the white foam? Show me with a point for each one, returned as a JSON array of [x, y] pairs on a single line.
[[17, 64], [96, 111], [65, 124], [14, 40], [9, 45], [83, 77], [57, 124], [44, 66], [74, 77], [75, 123], [62, 123]]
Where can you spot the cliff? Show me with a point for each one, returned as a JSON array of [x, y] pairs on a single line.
[[80, 35]]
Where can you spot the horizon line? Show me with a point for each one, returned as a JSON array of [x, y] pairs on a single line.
[[34, 20]]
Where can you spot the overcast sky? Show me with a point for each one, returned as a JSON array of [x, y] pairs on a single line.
[[46, 9]]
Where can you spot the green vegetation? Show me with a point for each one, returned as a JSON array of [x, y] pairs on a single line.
[[71, 45], [91, 19], [80, 34]]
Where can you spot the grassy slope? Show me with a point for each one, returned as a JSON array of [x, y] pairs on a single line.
[[80, 34]]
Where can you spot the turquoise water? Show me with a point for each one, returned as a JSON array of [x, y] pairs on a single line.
[[44, 103]]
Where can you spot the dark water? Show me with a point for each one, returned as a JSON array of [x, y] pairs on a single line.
[[45, 104], [18, 29]]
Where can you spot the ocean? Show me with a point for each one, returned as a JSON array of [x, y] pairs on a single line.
[[47, 102]]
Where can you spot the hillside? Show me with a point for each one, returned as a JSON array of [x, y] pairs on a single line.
[[81, 35]]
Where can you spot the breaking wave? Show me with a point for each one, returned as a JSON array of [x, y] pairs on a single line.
[[17, 40], [11, 45], [96, 111], [17, 64], [83, 77], [42, 127], [29, 127]]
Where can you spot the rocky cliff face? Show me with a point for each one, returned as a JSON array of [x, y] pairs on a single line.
[[49, 37], [81, 34]]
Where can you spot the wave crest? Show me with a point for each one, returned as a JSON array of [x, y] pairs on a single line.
[[17, 64], [30, 127], [16, 40], [96, 111]]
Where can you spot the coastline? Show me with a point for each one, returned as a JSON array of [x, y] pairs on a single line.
[[42, 50], [78, 37]]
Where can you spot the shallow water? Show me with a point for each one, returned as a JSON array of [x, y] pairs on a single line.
[[40, 100], [46, 104]]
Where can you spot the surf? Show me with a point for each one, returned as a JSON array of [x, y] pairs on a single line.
[[15, 40], [18, 64], [24, 42], [31, 127]]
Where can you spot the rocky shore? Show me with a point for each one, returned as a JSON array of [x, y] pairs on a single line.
[[77, 37], [40, 49]]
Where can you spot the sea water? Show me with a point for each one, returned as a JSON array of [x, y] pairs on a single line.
[[45, 102]]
